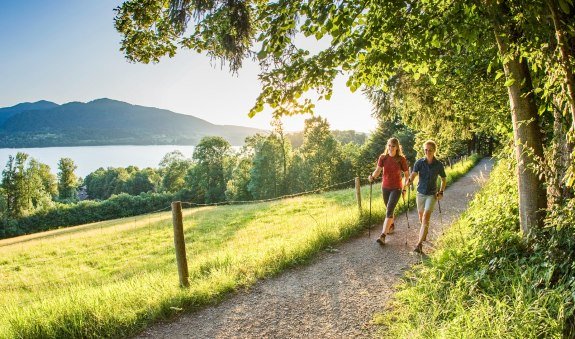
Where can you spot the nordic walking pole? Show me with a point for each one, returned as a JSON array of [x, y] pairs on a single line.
[[406, 217], [369, 226], [407, 209], [439, 206], [440, 215]]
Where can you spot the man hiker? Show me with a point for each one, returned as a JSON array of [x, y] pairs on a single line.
[[428, 169]]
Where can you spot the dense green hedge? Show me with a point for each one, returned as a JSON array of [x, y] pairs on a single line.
[[62, 215]]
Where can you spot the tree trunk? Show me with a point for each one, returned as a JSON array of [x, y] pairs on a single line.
[[526, 133], [559, 161], [567, 52], [566, 46]]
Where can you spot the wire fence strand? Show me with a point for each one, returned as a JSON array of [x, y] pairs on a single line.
[[287, 196]]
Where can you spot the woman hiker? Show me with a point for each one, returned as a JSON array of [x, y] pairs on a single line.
[[392, 163], [428, 168]]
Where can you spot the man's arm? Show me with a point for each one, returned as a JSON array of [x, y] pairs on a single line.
[[411, 178], [415, 172], [406, 177], [439, 194]]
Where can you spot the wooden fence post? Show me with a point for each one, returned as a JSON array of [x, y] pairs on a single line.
[[358, 193], [179, 243]]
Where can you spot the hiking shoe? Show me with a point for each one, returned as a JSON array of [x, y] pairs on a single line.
[[418, 249], [381, 239], [391, 228]]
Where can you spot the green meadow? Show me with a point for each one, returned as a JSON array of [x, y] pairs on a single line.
[[114, 278]]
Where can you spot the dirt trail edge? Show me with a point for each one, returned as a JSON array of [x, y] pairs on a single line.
[[336, 295]]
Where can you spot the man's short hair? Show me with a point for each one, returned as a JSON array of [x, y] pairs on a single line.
[[430, 142]]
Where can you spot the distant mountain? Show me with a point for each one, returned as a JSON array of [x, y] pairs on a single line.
[[7, 112], [106, 122]]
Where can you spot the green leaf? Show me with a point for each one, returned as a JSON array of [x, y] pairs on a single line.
[[542, 109], [564, 6], [509, 82], [435, 41], [262, 54], [499, 74], [423, 69]]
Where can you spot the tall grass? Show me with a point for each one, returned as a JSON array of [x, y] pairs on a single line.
[[112, 279], [481, 282]]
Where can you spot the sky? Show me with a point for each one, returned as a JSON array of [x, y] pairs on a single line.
[[68, 50]]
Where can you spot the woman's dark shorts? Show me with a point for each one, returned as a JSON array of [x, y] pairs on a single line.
[[390, 199]]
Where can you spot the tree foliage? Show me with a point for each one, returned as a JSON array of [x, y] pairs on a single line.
[[447, 64], [321, 153], [212, 169], [173, 169], [267, 173], [67, 180], [103, 183], [27, 186]]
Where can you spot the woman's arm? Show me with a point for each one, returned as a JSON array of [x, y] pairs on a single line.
[[375, 173]]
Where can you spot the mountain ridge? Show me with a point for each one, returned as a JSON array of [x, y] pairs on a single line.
[[106, 121]]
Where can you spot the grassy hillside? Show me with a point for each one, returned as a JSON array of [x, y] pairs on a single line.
[[113, 278], [485, 281]]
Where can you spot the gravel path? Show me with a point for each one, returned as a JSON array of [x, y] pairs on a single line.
[[333, 297]]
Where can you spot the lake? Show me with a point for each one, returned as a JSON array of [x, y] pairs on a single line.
[[90, 158]]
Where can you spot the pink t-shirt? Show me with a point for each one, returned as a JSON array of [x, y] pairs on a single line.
[[392, 168]]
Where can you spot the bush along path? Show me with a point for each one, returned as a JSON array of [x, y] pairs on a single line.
[[338, 293]]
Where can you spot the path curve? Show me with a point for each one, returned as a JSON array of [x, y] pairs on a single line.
[[336, 295]]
